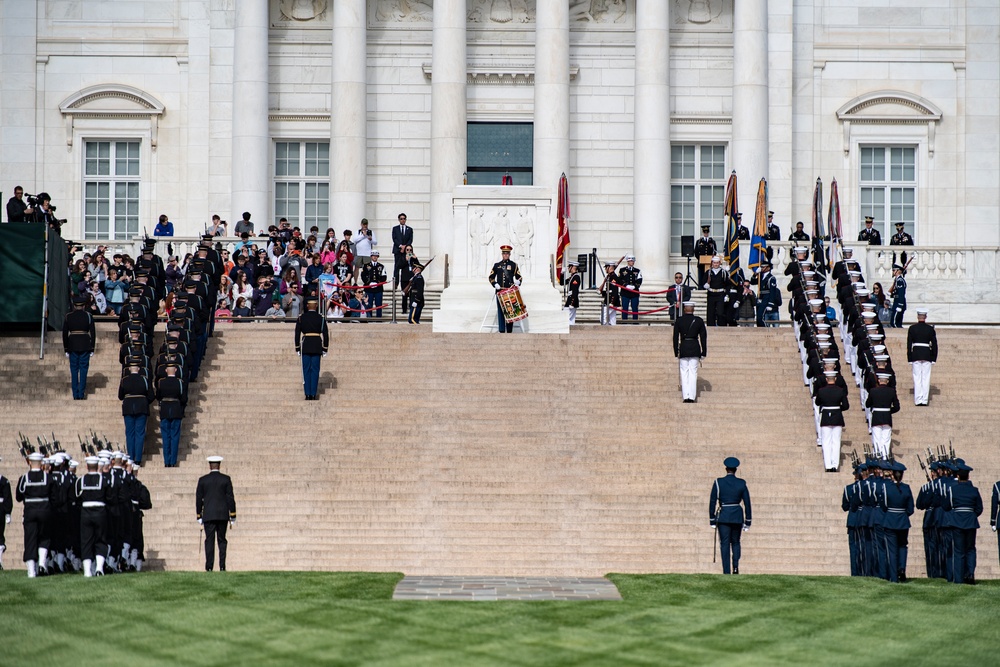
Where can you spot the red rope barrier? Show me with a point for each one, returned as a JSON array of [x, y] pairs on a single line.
[[640, 312], [635, 291]]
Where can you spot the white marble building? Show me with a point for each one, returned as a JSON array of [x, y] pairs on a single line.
[[327, 111]]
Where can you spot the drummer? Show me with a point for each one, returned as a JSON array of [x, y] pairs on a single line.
[[504, 275]]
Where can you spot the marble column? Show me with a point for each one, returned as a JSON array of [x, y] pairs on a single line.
[[551, 145], [750, 105], [448, 128], [251, 140], [348, 114], [651, 165]]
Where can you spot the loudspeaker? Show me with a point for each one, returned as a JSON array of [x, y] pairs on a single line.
[[583, 262], [687, 246]]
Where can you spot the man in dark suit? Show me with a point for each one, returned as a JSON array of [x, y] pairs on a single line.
[[312, 339], [690, 345], [78, 344], [216, 506], [677, 294], [402, 236], [726, 505]]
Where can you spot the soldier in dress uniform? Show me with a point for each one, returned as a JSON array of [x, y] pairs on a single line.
[[372, 276], [39, 492], [742, 233], [78, 343], [630, 279], [215, 506], [141, 501], [883, 402], [416, 294], [921, 352], [172, 395], [94, 493], [773, 231], [897, 504], [831, 401], [611, 298], [705, 246], [135, 391], [994, 512], [962, 505], [690, 347], [799, 234], [6, 507], [503, 275], [716, 282], [770, 295], [573, 282], [898, 293], [869, 234], [851, 503], [927, 501], [729, 513], [312, 339], [900, 238]]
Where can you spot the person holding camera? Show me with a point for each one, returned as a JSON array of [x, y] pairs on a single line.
[[363, 246], [17, 209], [44, 211]]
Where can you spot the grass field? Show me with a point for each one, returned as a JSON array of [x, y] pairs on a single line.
[[273, 618]]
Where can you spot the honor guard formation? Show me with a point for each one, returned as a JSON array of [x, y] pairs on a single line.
[[91, 522], [879, 506]]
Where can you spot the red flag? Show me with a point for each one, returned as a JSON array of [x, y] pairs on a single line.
[[562, 232]]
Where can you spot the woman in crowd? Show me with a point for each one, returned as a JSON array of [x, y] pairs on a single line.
[[241, 289], [98, 267], [168, 305], [98, 304], [184, 265], [173, 273], [314, 270], [115, 290], [241, 309], [330, 237], [328, 255], [76, 275], [129, 267], [311, 245], [223, 311], [343, 269], [227, 262], [345, 246], [83, 286], [225, 290], [334, 307], [879, 297]]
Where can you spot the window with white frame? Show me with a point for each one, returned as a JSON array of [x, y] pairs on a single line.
[[111, 190], [889, 187], [697, 191], [302, 183]]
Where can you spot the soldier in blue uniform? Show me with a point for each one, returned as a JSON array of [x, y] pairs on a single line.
[[770, 295], [962, 506], [95, 494], [926, 500], [312, 339], [172, 395], [630, 278], [898, 293], [851, 503], [504, 275], [372, 275], [729, 512], [897, 504], [994, 511], [136, 393]]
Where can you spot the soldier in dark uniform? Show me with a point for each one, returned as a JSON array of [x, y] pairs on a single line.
[[215, 506], [994, 511], [716, 282], [927, 500], [312, 339], [962, 505], [851, 503], [742, 233], [869, 234], [573, 282], [136, 393], [728, 501], [799, 234], [141, 501], [78, 344], [897, 504], [844, 266], [416, 293], [6, 507], [630, 279], [705, 246], [610, 295], [831, 401], [372, 276], [172, 395], [39, 492], [898, 293], [773, 231], [883, 402], [95, 494], [770, 295], [690, 346], [504, 275], [900, 238], [921, 352]]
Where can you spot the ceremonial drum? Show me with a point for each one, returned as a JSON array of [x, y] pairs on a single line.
[[512, 304]]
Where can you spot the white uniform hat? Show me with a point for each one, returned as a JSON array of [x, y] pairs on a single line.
[[214, 459]]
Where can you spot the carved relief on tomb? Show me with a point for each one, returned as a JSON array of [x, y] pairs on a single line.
[[484, 14], [301, 13], [708, 15]]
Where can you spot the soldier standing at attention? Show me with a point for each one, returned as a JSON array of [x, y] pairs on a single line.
[[869, 234], [6, 507], [921, 352], [900, 238], [898, 293], [172, 394], [630, 278], [962, 506], [726, 504], [705, 246], [716, 282], [573, 282], [78, 344], [312, 339], [416, 293], [216, 506], [994, 511], [690, 346], [504, 275], [773, 231], [897, 504], [742, 233]]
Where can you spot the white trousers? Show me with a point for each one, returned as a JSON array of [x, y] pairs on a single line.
[[921, 382], [689, 377], [830, 439], [882, 440], [572, 314], [610, 316]]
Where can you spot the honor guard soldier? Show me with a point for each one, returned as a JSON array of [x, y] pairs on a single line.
[[39, 493], [611, 298], [78, 344], [901, 238], [962, 506], [851, 503], [869, 234], [897, 504], [770, 295], [416, 293], [312, 339], [898, 293], [799, 234], [883, 403], [373, 276], [94, 492], [729, 513], [6, 507], [742, 233], [994, 512], [215, 506], [927, 500], [773, 232], [504, 275], [136, 393], [716, 282], [831, 400], [573, 282], [630, 279], [690, 346], [172, 395], [704, 247], [921, 352]]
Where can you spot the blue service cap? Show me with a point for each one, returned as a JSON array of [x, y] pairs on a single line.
[[731, 462], [898, 467], [935, 465], [885, 465], [962, 467]]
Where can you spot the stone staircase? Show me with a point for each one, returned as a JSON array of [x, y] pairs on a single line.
[[519, 455]]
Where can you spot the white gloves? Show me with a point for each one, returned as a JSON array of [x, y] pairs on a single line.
[[324, 355], [7, 520], [299, 352], [517, 282], [705, 286], [91, 354], [67, 355], [746, 528], [630, 286], [993, 526], [232, 522], [726, 300], [372, 284], [768, 309], [496, 286], [199, 522]]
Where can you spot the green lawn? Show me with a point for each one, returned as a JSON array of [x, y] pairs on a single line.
[[349, 619]]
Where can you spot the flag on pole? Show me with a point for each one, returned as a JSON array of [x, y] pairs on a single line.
[[562, 231], [833, 223], [819, 257], [758, 238], [732, 247]]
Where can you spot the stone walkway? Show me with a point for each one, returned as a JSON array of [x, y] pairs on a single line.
[[505, 588]]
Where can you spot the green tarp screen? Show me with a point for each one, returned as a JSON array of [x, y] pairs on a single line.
[[22, 272]]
